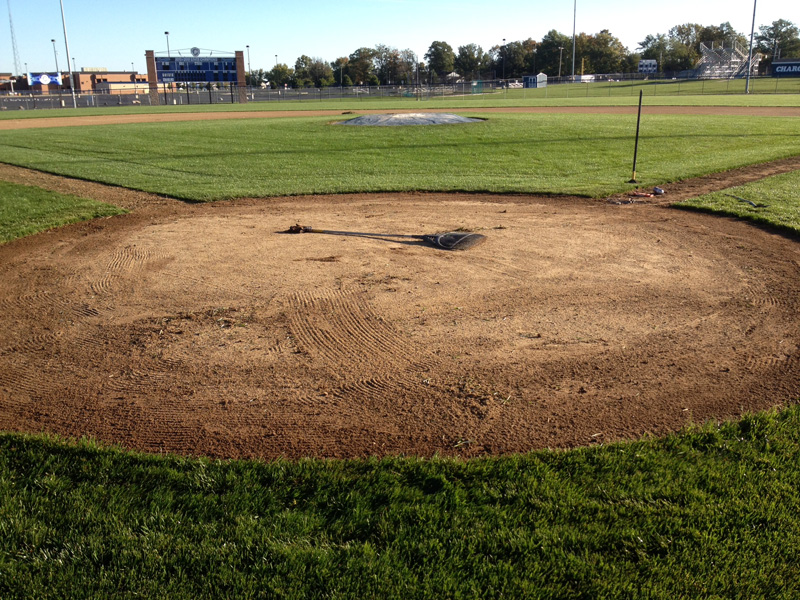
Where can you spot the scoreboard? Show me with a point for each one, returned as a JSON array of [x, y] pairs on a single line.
[[197, 68]]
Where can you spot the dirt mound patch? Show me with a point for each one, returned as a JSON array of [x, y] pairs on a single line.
[[203, 330], [399, 119]]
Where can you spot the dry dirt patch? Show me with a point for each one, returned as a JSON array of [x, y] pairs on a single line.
[[203, 330]]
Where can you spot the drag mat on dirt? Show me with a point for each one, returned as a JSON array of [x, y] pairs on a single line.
[[200, 329]]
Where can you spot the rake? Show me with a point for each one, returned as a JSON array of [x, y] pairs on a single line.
[[452, 240]]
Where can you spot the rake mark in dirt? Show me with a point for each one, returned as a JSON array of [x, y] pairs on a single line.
[[199, 329]]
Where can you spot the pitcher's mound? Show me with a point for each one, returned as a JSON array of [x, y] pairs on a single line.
[[409, 119]]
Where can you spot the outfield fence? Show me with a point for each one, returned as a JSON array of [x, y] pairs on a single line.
[[614, 85]]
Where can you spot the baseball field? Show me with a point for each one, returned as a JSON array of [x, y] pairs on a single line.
[[654, 341]]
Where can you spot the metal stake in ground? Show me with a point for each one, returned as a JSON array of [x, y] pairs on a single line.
[[636, 146]]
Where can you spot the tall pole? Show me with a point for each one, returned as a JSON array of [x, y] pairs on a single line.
[[750, 55], [166, 33], [504, 59], [55, 54], [574, 21], [58, 71], [66, 43], [249, 73]]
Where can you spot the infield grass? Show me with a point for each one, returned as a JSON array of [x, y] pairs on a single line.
[[25, 210], [711, 512], [708, 513], [529, 153], [774, 201]]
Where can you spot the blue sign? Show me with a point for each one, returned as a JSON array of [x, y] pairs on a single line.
[[44, 78], [786, 69]]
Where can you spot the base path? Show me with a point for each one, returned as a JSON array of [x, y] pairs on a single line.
[[204, 330]]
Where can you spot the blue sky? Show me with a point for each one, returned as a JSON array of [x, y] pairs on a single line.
[[115, 34]]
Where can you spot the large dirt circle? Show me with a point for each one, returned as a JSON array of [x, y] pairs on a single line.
[[204, 330]]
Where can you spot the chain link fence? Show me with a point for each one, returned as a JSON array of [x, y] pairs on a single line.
[[615, 84]]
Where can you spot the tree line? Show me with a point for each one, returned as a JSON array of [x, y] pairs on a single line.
[[676, 50]]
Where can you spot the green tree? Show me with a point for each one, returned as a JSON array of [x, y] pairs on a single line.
[[471, 60], [302, 74], [687, 34], [441, 59], [684, 47], [509, 60], [339, 69], [388, 64], [320, 73], [781, 39], [408, 66], [606, 53], [655, 47], [257, 77], [280, 75], [721, 35], [361, 66], [554, 54]]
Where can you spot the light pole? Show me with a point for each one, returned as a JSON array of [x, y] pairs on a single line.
[[276, 60], [58, 73], [133, 74], [55, 54], [750, 55], [574, 21], [166, 33], [560, 54], [504, 61], [534, 61], [66, 44]]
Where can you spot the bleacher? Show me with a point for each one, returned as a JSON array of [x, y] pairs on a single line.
[[721, 61]]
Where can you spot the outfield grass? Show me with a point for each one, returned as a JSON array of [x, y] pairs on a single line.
[[708, 513], [529, 153], [774, 201], [25, 210], [765, 92]]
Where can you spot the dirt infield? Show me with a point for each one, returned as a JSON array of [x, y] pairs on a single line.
[[201, 329]]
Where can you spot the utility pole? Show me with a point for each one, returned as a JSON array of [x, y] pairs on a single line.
[[14, 42], [574, 21], [66, 43], [58, 71], [750, 55]]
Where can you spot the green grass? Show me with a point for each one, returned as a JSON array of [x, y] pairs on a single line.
[[711, 512], [531, 153], [766, 89], [776, 200], [25, 210], [708, 513], [764, 92]]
